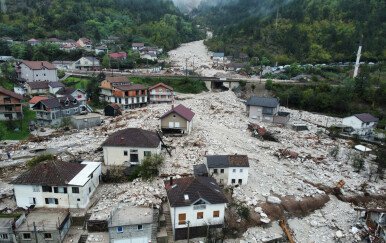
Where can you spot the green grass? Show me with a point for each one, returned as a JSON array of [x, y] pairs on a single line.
[[23, 133], [73, 82], [11, 215], [6, 84], [181, 85]]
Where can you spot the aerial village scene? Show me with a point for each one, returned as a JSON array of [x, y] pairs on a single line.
[[128, 121]]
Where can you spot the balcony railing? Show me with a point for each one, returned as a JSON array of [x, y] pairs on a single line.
[[160, 99], [199, 207], [160, 93]]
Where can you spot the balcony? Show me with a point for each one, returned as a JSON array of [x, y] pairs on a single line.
[[161, 93], [199, 207], [159, 99]]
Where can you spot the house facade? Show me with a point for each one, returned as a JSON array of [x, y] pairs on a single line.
[[161, 93], [131, 224], [363, 124], [118, 55], [37, 87], [85, 44], [228, 169], [112, 110], [35, 100], [137, 46], [177, 120], [57, 184], [86, 63], [54, 87], [129, 96], [195, 203], [33, 71], [130, 146], [63, 65], [107, 86], [78, 94], [51, 226], [50, 112], [218, 56], [10, 105]]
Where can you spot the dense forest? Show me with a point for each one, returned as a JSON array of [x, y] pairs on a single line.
[[306, 31], [154, 22]]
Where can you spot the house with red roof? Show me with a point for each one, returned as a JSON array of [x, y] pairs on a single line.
[[34, 42], [35, 71], [363, 124], [161, 93], [177, 120], [118, 55], [35, 100], [130, 96], [137, 46], [10, 105]]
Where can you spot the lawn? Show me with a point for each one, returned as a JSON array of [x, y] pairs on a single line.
[[10, 134], [79, 83]]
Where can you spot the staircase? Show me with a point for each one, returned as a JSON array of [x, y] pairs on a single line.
[[86, 218], [83, 239], [154, 226], [89, 109], [169, 226]]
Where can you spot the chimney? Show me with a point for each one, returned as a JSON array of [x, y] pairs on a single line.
[[122, 140], [171, 181], [42, 64], [172, 106]]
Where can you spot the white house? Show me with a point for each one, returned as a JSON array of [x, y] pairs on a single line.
[[195, 202], [33, 71], [57, 184], [130, 146], [78, 94], [63, 65], [54, 87], [218, 56], [86, 63], [363, 124], [228, 169], [137, 46]]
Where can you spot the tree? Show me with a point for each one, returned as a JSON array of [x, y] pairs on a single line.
[[293, 70], [268, 84], [381, 161], [149, 167]]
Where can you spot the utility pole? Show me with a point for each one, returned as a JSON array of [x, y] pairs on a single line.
[[188, 230], [358, 58], [36, 234]]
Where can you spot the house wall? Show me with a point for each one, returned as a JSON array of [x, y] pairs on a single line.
[[236, 174], [191, 215], [54, 116], [221, 178], [38, 75], [85, 122], [160, 94], [54, 90], [12, 108], [115, 155], [175, 118], [24, 194], [36, 91], [131, 232], [256, 112]]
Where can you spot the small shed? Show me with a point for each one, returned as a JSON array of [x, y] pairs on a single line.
[[113, 110], [200, 170], [86, 121]]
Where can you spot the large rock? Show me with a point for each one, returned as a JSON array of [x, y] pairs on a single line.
[[273, 200]]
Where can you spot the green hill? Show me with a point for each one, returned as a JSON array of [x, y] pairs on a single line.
[[156, 22], [308, 31]]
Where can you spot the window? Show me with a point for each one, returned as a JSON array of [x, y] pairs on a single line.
[[75, 190], [89, 190], [182, 218], [36, 188], [125, 153], [68, 112], [47, 189], [200, 215], [147, 153], [4, 236], [26, 236], [222, 171], [216, 214], [52, 201], [241, 170], [76, 110], [140, 227], [134, 155], [186, 197], [47, 236], [32, 200], [78, 199], [234, 170], [240, 181], [221, 181], [215, 171], [233, 181], [119, 229]]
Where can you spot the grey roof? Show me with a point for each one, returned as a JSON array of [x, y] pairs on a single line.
[[217, 161], [58, 102], [263, 101], [366, 117], [225, 161], [200, 170], [56, 84]]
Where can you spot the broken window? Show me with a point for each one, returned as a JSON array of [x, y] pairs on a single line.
[[221, 181], [133, 155]]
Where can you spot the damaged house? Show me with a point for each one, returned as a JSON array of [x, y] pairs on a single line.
[[52, 111], [56, 184], [195, 204], [363, 124], [266, 109], [228, 169], [10, 105], [177, 120], [130, 146]]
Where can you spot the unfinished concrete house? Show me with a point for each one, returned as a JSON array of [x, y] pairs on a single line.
[[130, 146], [266, 109], [10, 105], [132, 224], [228, 169], [177, 120]]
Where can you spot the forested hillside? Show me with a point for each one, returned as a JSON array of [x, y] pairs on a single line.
[[308, 31], [156, 22]]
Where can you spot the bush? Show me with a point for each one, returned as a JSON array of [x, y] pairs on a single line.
[[149, 167], [241, 209], [268, 84], [39, 159], [253, 86], [61, 74]]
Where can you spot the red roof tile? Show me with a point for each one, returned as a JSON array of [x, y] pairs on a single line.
[[161, 84], [181, 110], [11, 93], [38, 65], [36, 99], [133, 137]]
